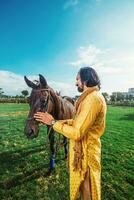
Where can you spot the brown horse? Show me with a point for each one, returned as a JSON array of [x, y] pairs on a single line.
[[44, 99]]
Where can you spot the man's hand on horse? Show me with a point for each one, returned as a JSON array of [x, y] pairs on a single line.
[[44, 118]]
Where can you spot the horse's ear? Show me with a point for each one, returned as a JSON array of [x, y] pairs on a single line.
[[43, 81], [30, 83]]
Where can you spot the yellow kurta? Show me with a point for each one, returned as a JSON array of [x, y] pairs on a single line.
[[87, 127]]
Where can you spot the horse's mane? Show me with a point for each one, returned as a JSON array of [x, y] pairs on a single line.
[[69, 99]]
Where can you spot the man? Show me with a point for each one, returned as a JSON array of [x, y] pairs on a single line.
[[84, 132]]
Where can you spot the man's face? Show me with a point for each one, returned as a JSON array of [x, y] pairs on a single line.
[[79, 84]]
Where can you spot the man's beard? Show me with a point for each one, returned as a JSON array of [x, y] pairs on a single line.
[[80, 89]]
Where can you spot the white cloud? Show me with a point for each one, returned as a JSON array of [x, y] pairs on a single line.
[[70, 3], [13, 84], [104, 60], [114, 68], [116, 71], [87, 55]]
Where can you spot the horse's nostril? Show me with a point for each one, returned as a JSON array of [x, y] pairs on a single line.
[[31, 132]]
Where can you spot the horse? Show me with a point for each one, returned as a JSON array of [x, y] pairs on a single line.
[[44, 99]]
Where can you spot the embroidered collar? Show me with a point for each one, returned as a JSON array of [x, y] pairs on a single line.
[[84, 94]]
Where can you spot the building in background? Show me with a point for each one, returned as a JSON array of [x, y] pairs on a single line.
[[130, 92]]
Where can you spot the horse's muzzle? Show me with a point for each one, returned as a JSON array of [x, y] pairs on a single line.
[[31, 132]]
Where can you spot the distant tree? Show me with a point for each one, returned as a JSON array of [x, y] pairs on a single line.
[[120, 96], [113, 97], [24, 93], [117, 96], [106, 96], [127, 97], [1, 92], [130, 97]]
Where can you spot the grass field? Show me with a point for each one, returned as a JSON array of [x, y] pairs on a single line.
[[24, 163]]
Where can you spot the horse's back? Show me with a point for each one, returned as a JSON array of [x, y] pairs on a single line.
[[68, 109]]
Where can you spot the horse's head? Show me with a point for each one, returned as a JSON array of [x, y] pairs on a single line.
[[39, 101]]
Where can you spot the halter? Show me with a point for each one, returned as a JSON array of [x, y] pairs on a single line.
[[45, 104], [30, 118]]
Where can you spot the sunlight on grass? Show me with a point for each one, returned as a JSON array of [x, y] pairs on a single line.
[[24, 163]]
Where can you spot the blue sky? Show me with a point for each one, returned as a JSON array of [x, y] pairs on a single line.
[[57, 37]]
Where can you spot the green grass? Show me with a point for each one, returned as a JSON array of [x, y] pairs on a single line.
[[117, 154], [13, 107], [24, 163]]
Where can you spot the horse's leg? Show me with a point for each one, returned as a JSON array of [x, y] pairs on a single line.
[[52, 149], [65, 146]]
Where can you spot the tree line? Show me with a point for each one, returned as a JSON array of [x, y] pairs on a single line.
[[116, 98], [22, 98], [119, 98]]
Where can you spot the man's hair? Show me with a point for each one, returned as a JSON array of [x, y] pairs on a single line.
[[89, 76]]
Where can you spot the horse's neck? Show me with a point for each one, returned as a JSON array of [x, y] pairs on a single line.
[[58, 106], [63, 109]]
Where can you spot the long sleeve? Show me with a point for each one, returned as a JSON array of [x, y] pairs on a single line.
[[67, 121], [82, 122]]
